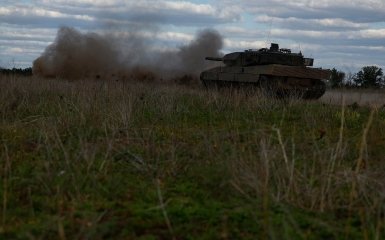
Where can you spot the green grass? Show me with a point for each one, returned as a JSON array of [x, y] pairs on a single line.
[[126, 160]]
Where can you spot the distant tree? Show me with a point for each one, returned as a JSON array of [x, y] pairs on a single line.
[[369, 76], [337, 78], [349, 80], [16, 71]]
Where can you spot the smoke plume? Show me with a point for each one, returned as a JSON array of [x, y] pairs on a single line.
[[75, 55]]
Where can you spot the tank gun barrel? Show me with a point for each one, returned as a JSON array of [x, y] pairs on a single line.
[[219, 59]]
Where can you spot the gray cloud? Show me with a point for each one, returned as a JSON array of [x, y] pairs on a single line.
[[356, 10], [322, 24], [145, 11], [335, 32]]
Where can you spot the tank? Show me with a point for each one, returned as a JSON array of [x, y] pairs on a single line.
[[277, 71]]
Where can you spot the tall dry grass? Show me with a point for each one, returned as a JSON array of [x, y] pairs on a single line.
[[361, 97], [75, 135]]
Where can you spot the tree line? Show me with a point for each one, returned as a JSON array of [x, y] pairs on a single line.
[[16, 71], [367, 77]]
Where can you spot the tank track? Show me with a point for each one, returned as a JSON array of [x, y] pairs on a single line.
[[271, 88]]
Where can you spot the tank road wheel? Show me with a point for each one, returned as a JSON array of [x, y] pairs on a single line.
[[268, 86], [295, 93], [315, 91], [290, 91], [211, 84], [205, 84], [249, 89]]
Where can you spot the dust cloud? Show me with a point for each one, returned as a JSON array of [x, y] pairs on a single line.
[[76, 55]]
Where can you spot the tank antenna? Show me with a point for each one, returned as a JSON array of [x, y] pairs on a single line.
[[269, 32]]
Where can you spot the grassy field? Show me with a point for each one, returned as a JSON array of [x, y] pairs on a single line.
[[362, 97], [126, 160]]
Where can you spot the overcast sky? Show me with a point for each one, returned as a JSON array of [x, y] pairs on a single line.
[[337, 33]]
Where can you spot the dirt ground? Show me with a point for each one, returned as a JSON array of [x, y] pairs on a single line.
[[362, 97]]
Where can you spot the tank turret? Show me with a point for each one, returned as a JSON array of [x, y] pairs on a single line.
[[263, 56], [276, 70]]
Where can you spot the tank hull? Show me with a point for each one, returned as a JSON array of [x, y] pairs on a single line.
[[275, 79]]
